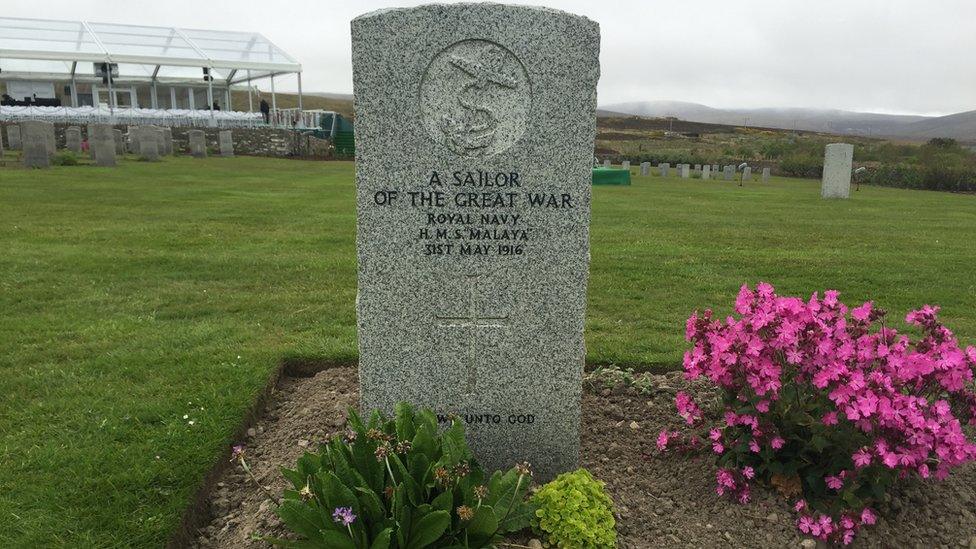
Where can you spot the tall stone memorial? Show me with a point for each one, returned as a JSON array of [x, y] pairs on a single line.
[[747, 174], [147, 138], [473, 224], [36, 143], [838, 160], [119, 139], [101, 140], [13, 137], [168, 149], [765, 175], [226, 142], [72, 139], [706, 172], [198, 143], [728, 173]]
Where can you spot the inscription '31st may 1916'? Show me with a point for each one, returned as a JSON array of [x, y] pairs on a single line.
[[447, 225]]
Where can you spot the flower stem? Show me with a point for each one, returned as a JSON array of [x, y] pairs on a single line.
[[250, 473]]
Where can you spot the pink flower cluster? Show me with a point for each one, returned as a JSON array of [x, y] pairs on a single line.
[[903, 402], [734, 484], [825, 528]]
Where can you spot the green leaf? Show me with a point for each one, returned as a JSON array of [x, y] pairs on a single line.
[[483, 523], [518, 518], [382, 541], [404, 421], [336, 493], [455, 448], [337, 540], [294, 477], [423, 443], [301, 519], [371, 505], [429, 529], [444, 502], [356, 422]]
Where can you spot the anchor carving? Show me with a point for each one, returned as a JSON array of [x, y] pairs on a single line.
[[474, 130]]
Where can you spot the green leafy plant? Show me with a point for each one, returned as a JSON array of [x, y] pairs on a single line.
[[575, 512], [65, 158], [401, 483]]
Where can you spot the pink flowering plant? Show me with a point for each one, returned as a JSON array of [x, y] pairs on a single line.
[[827, 403]]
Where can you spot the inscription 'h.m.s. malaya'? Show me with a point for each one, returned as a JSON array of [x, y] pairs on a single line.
[[474, 213], [475, 98]]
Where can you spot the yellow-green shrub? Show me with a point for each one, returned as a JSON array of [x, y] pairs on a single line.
[[575, 512]]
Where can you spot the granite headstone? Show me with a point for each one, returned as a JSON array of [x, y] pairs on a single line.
[[765, 175], [72, 139], [728, 173], [168, 148], [13, 137], [226, 141], [706, 172], [101, 140], [147, 137], [198, 143], [645, 169], [119, 142], [36, 143], [838, 160], [473, 224]]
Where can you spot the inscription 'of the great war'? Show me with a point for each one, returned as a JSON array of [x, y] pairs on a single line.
[[450, 233]]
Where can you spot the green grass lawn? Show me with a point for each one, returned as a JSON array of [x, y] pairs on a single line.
[[140, 299]]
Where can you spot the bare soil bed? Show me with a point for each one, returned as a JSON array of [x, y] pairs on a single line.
[[661, 501]]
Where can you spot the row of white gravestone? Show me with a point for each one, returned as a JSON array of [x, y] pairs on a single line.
[[37, 141], [699, 171]]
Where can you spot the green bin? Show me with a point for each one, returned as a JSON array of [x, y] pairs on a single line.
[[611, 176]]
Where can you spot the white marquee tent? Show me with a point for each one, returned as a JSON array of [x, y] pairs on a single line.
[[152, 68]]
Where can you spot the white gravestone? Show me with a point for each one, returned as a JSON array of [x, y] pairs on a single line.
[[101, 140], [836, 182]]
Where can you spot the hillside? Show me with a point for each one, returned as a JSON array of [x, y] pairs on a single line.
[[819, 120], [327, 102], [961, 126]]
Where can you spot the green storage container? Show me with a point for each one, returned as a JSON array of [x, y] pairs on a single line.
[[611, 176]]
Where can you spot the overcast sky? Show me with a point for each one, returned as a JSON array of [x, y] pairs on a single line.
[[893, 56]]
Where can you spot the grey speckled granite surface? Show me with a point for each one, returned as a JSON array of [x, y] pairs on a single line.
[[474, 145]]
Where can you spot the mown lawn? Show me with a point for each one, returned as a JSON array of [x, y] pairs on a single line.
[[140, 299]]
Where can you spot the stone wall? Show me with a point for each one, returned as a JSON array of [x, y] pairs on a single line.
[[280, 143]]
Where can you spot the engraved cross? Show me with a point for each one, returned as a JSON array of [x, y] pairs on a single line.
[[472, 322]]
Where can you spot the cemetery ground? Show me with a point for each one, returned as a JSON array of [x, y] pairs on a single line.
[[146, 307]]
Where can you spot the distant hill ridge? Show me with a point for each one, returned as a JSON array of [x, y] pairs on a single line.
[[961, 126]]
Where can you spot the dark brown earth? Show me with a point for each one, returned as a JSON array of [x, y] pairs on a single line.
[[661, 501]]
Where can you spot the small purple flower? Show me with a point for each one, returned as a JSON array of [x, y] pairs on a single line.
[[237, 452], [343, 515]]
